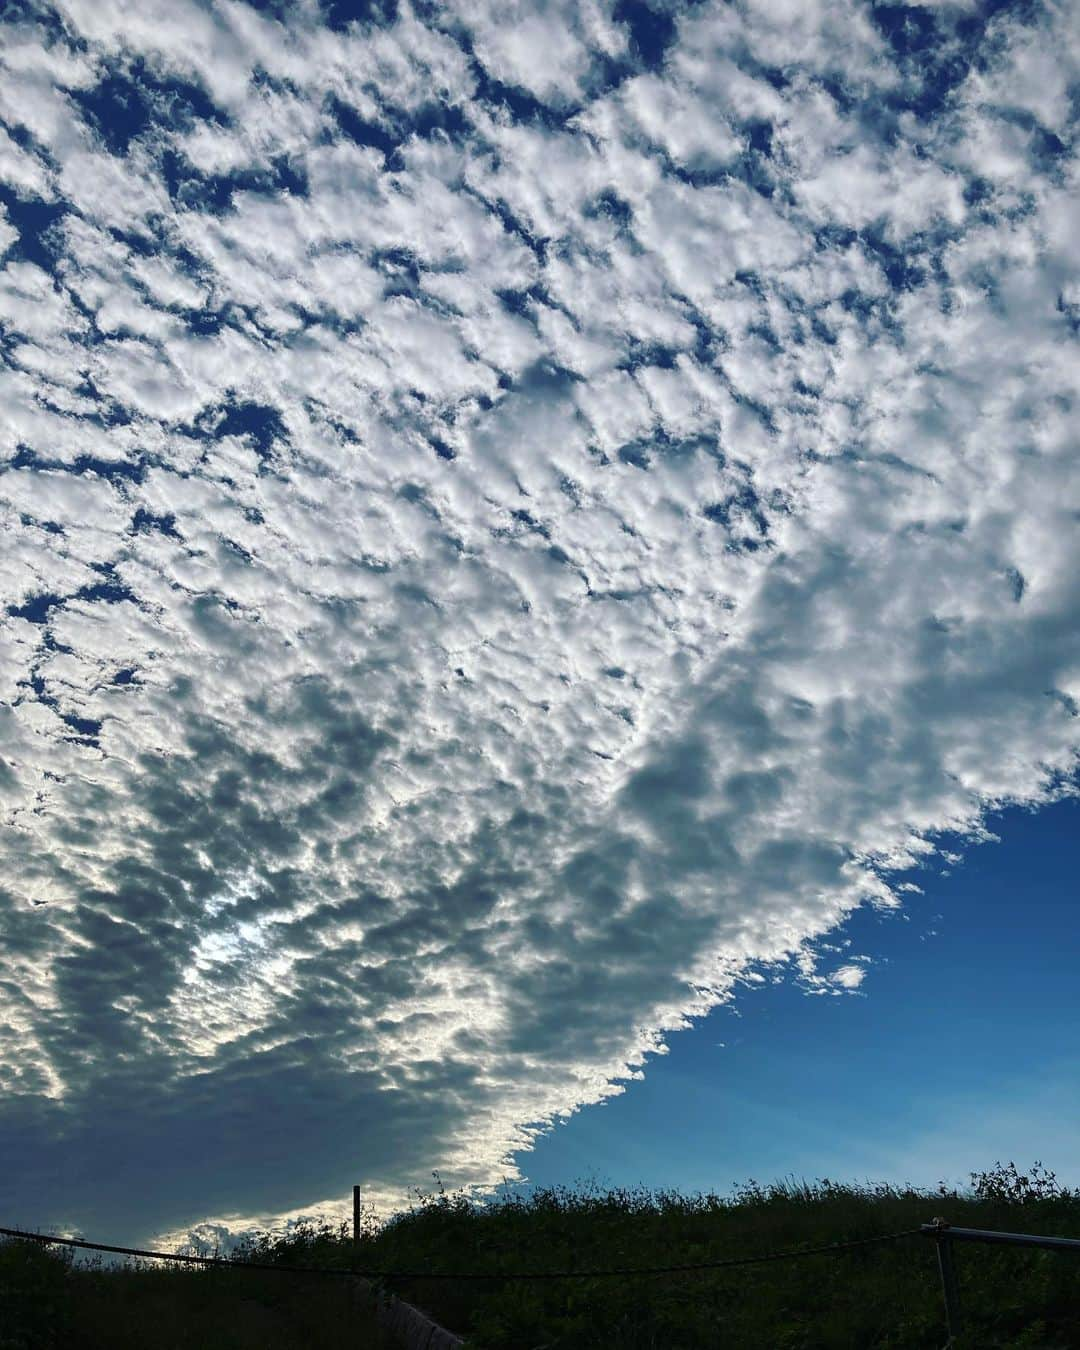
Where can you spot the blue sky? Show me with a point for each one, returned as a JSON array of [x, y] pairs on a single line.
[[958, 1050], [514, 519]]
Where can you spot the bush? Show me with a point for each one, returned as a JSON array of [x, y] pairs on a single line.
[[34, 1308]]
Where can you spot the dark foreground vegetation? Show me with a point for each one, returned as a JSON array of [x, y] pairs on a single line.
[[50, 1302], [878, 1296]]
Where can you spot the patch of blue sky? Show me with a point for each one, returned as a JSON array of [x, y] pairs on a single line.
[[191, 188], [129, 102], [954, 1046], [652, 29], [36, 222]]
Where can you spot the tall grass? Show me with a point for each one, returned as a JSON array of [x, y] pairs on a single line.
[[878, 1296]]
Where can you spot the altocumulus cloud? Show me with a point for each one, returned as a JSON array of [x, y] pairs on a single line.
[[511, 513]]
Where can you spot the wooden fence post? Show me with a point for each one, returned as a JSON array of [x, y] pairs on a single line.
[[355, 1247]]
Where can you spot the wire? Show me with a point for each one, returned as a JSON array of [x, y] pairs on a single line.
[[171, 1256], [787, 1255], [623, 1271]]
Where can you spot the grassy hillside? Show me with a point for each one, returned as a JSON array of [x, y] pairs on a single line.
[[48, 1302], [879, 1296]]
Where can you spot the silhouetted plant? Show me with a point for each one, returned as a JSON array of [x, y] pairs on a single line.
[[1005, 1182]]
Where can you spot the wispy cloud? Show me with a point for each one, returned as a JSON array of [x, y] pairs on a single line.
[[508, 518]]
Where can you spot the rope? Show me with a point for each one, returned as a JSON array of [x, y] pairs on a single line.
[[787, 1255]]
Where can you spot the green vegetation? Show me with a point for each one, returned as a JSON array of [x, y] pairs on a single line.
[[48, 1301], [886, 1295]]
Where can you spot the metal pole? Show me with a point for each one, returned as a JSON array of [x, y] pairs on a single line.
[[1061, 1244], [949, 1288]]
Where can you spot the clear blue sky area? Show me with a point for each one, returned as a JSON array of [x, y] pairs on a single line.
[[961, 1047]]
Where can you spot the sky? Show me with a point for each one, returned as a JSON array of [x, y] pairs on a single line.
[[955, 1049], [520, 522]]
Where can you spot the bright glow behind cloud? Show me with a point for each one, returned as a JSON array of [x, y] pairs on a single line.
[[503, 525]]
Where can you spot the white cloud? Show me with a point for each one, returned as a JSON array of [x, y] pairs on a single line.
[[546, 49]]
